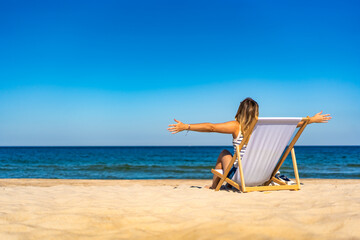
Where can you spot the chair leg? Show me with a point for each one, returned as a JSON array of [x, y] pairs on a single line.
[[296, 172]]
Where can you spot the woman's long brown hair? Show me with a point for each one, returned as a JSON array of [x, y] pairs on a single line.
[[247, 112]]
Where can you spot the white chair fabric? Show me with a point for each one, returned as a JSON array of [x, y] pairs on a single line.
[[267, 143]]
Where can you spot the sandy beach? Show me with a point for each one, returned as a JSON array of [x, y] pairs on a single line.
[[175, 209]]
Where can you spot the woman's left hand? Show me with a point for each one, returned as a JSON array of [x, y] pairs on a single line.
[[178, 127], [320, 118]]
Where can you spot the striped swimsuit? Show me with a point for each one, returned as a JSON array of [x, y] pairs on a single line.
[[236, 142]]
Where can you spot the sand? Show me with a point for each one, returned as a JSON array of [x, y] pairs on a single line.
[[175, 209]]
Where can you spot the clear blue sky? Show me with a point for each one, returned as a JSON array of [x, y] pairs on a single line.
[[118, 72]]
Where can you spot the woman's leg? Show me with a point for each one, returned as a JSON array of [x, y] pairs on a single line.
[[223, 162]]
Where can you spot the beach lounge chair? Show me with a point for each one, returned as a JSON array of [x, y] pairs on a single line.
[[265, 152]]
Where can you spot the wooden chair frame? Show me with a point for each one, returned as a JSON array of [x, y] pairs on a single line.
[[265, 187]]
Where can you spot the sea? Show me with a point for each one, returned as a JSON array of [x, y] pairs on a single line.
[[340, 162]]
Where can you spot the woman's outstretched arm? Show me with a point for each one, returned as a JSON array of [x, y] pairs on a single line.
[[227, 127], [317, 118]]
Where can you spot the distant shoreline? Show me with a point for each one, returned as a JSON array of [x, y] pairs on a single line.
[[145, 182], [141, 180], [145, 146]]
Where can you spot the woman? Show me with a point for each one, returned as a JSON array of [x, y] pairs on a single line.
[[247, 112]]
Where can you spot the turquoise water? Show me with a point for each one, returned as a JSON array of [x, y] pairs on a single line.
[[160, 162]]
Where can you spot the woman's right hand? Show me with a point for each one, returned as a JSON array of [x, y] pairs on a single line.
[[320, 118], [178, 127]]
